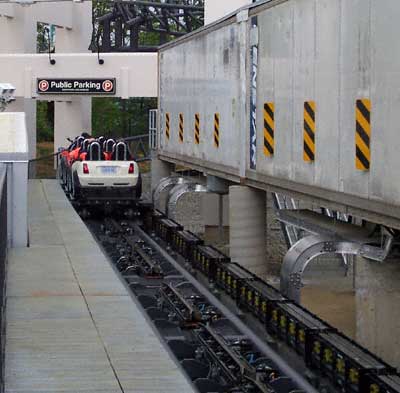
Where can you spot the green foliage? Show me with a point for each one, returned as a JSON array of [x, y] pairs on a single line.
[[44, 122], [44, 32], [121, 118]]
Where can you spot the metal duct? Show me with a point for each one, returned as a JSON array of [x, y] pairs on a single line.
[[178, 191], [310, 247], [164, 185]]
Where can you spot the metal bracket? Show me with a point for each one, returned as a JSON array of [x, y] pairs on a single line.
[[242, 16], [305, 250]]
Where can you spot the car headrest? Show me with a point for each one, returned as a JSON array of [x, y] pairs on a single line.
[[79, 141], [109, 145], [95, 152], [121, 152]]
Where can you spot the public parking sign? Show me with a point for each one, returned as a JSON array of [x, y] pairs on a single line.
[[76, 86]]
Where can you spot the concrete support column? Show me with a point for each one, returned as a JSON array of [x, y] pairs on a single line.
[[159, 170], [247, 228], [28, 106], [70, 119], [210, 210], [377, 306], [215, 204], [17, 29]]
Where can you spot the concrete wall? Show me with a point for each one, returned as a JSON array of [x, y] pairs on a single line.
[[135, 73], [71, 118], [329, 52], [203, 76], [332, 53], [14, 159]]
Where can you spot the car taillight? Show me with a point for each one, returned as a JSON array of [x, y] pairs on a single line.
[[85, 169], [131, 168]]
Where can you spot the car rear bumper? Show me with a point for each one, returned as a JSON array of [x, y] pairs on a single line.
[[108, 193]]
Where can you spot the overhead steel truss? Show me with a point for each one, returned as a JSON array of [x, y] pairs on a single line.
[[124, 26]]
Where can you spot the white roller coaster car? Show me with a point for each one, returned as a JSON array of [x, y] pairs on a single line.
[[93, 171]]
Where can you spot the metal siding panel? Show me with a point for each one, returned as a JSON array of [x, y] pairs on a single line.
[[385, 97], [330, 51], [304, 84], [202, 76], [354, 84], [276, 85], [282, 52], [266, 88], [327, 92]]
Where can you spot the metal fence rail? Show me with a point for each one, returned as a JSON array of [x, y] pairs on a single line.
[[139, 147], [43, 167]]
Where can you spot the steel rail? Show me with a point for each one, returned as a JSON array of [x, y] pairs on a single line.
[[260, 344]]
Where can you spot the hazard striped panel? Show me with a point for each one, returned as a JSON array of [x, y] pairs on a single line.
[[269, 129], [216, 130], [363, 134], [181, 127], [309, 131], [167, 125], [197, 128]]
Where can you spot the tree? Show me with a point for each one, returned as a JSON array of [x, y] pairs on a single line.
[[121, 118]]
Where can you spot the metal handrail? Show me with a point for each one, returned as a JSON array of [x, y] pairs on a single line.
[[44, 157]]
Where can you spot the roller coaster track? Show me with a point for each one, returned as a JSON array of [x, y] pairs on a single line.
[[217, 329]]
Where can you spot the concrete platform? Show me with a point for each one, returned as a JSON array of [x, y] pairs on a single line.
[[72, 326]]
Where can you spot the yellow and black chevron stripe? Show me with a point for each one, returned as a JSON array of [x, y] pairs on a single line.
[[269, 129], [197, 128], [181, 127], [216, 130], [309, 132], [363, 134], [167, 125]]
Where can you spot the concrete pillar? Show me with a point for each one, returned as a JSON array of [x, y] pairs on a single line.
[[17, 29], [29, 107], [210, 210], [14, 159], [159, 170], [18, 35], [70, 120], [247, 228], [214, 214], [377, 307]]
